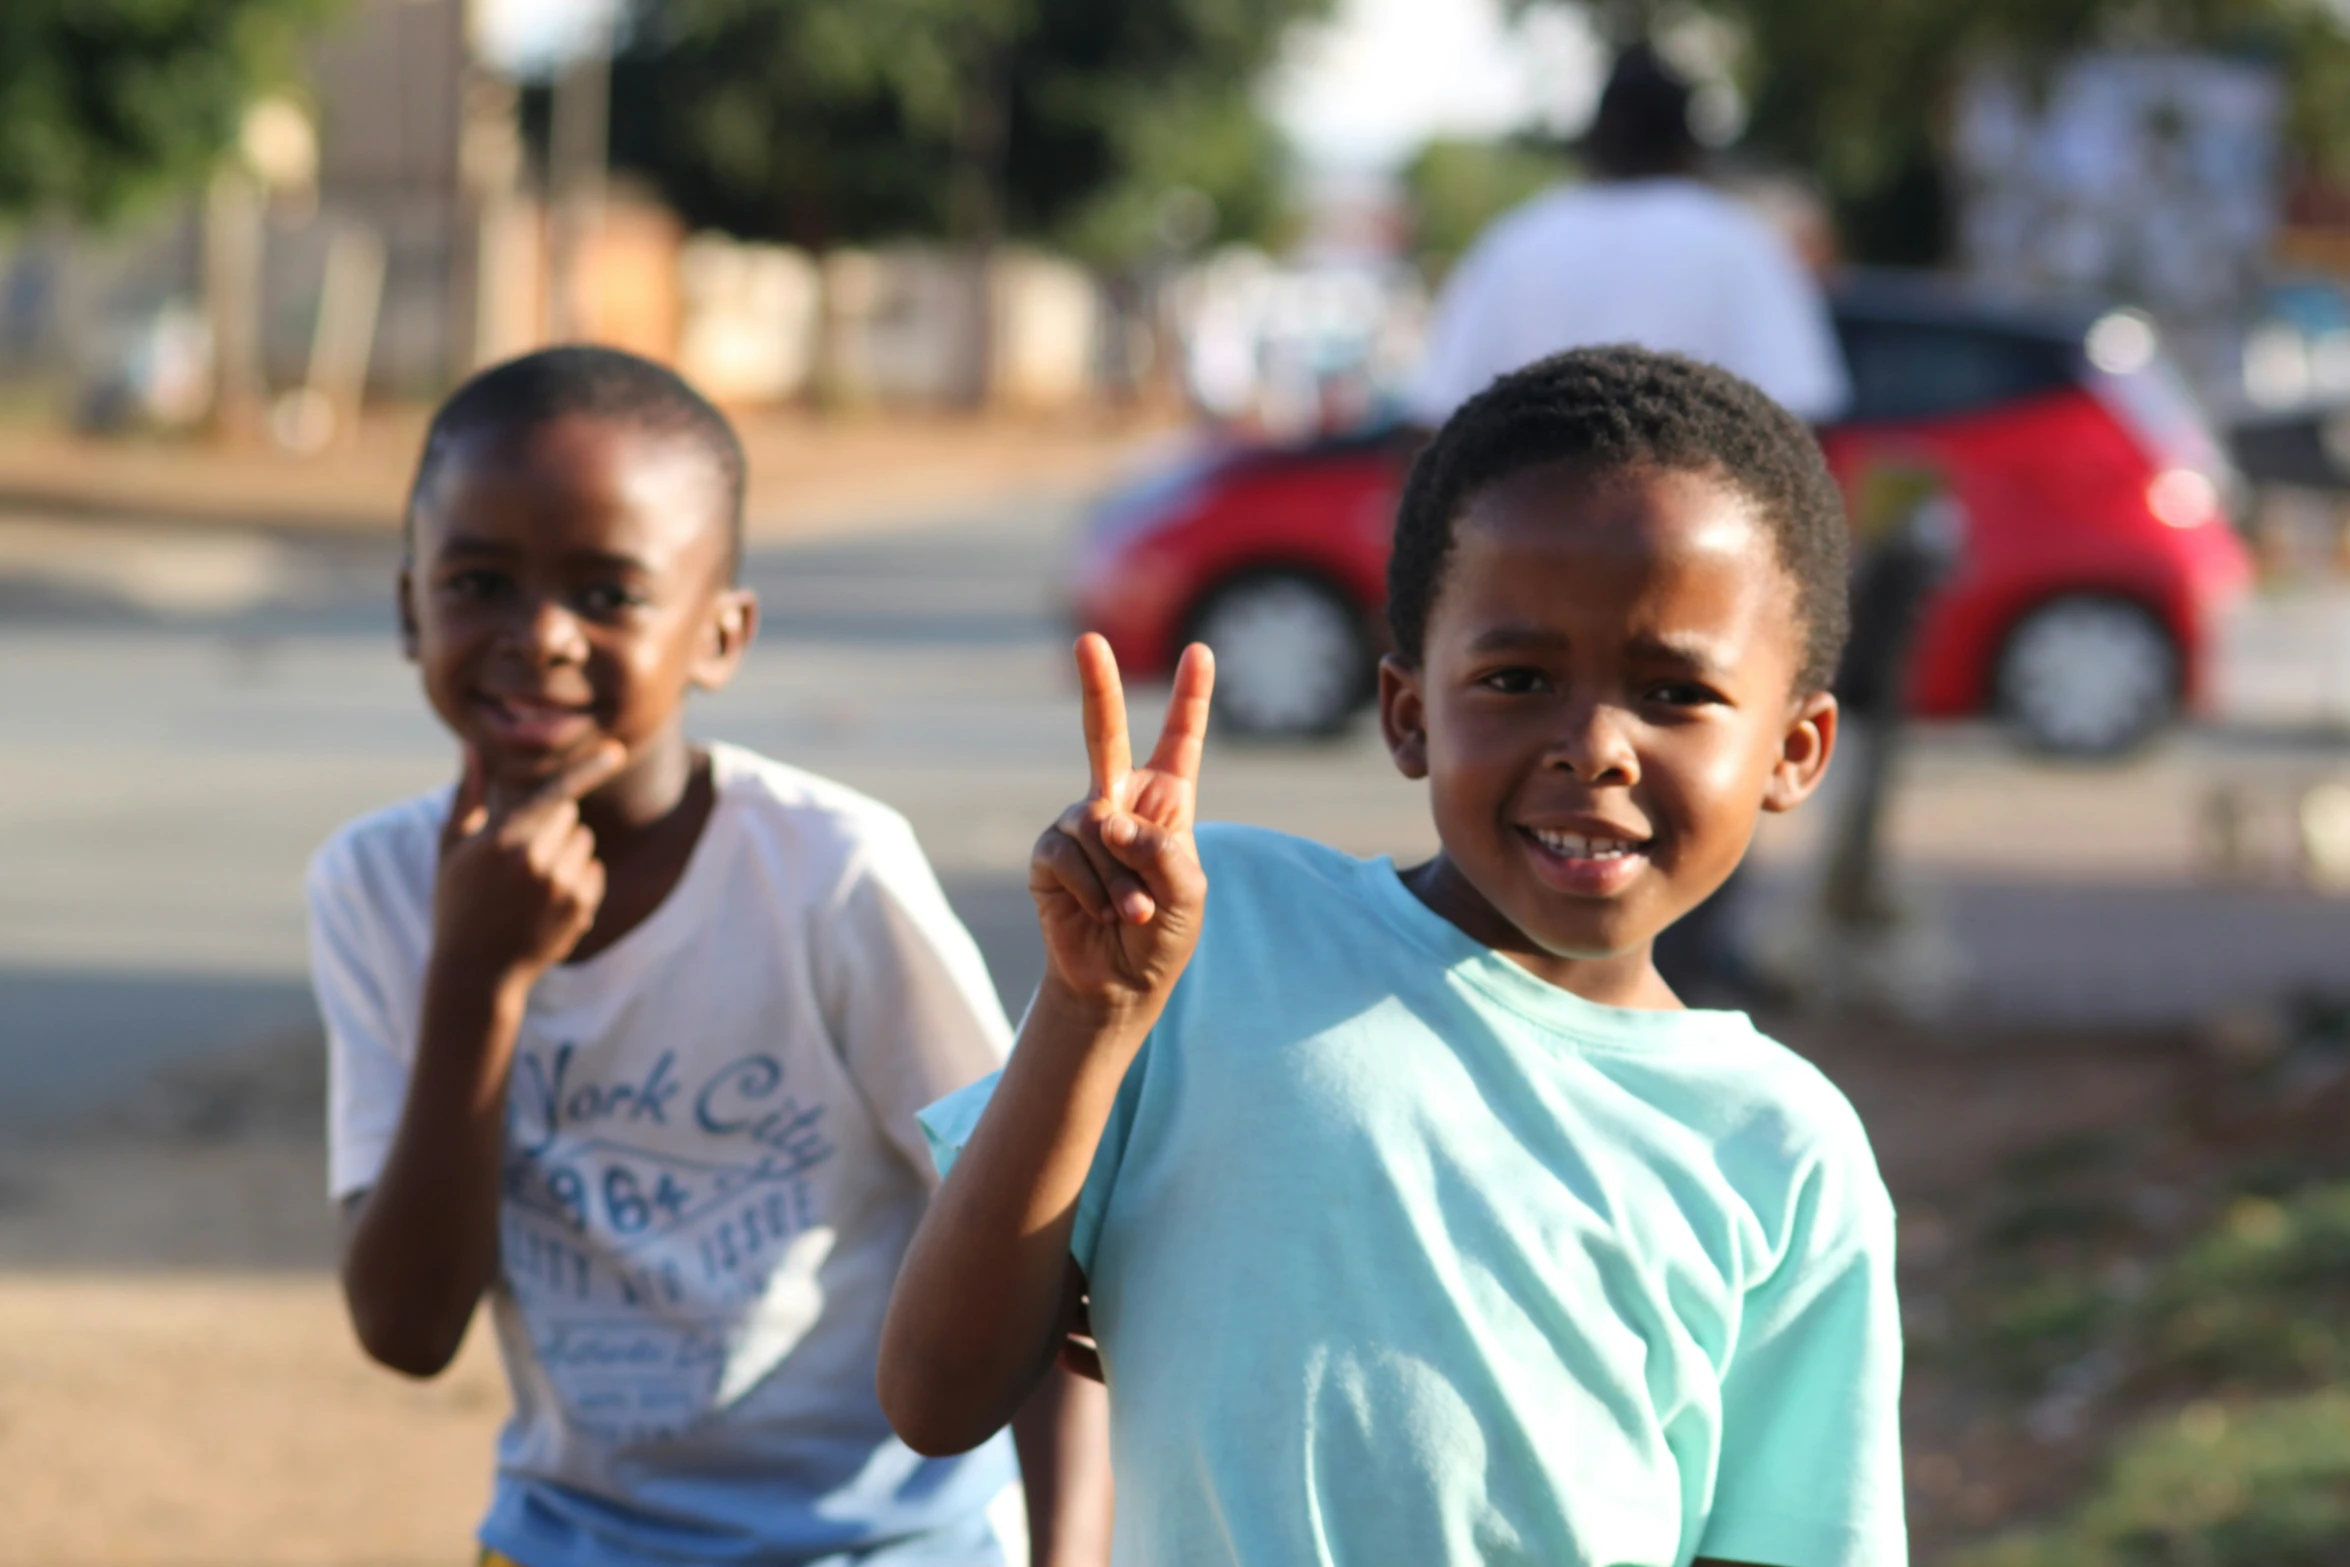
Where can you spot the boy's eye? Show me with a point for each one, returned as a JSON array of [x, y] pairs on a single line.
[[1514, 682], [476, 586], [1683, 693], [609, 598]]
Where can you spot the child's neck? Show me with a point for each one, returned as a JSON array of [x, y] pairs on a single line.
[[647, 822], [645, 793], [1619, 979]]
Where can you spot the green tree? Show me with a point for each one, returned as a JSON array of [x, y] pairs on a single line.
[[106, 102], [826, 120], [1859, 91]]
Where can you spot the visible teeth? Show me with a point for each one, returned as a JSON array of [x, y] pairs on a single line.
[[1577, 847]]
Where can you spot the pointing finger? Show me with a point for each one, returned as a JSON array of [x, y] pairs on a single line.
[[576, 780], [1185, 732], [577, 852], [1106, 749], [467, 815]]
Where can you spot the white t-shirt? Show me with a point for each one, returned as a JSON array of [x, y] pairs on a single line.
[[1668, 264], [712, 1171]]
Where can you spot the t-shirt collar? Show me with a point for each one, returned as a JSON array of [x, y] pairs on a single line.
[[1537, 1000]]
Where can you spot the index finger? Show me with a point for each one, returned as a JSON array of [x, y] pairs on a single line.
[[472, 794], [473, 785], [1185, 733], [574, 781], [1106, 749]]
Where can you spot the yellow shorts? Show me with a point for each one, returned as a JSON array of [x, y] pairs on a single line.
[[490, 1558]]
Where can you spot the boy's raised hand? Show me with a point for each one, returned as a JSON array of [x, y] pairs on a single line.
[[1117, 880], [520, 883]]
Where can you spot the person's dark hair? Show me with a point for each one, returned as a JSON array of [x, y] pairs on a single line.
[[598, 383], [1642, 126], [1612, 409]]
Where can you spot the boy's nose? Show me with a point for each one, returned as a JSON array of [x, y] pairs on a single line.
[[548, 633], [1594, 743]]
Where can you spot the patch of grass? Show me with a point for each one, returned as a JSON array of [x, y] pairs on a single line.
[[2261, 1485], [2043, 1323], [2264, 1296]]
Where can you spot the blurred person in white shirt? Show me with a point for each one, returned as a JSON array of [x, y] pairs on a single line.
[[1643, 253]]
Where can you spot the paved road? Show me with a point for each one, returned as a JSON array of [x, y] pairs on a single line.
[[182, 718]]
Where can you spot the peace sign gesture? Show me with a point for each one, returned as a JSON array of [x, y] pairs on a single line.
[[1116, 879]]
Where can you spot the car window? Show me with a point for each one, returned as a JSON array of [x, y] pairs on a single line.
[[1906, 370]]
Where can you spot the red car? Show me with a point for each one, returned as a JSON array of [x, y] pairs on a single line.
[[2096, 548]]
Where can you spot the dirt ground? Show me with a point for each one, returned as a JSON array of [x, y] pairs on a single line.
[[177, 1385]]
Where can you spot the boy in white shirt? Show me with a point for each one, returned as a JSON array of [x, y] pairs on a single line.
[[628, 1034]]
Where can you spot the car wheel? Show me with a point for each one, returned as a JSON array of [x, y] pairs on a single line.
[[1291, 658], [2088, 676]]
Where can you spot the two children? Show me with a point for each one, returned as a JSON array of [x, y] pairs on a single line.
[[628, 1035], [1415, 1220], [1418, 1221]]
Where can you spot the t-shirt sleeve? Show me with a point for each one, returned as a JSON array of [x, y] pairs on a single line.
[[1811, 1442], [367, 1062], [947, 1127], [905, 992]]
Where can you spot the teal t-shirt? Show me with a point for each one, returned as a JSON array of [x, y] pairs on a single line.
[[1400, 1255]]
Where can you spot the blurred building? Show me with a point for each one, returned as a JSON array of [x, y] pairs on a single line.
[[2150, 177], [388, 86], [416, 244]]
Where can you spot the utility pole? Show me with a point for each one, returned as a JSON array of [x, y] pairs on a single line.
[[579, 148], [483, 318], [234, 238], [977, 210]]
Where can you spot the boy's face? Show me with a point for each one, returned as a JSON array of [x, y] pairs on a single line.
[[1604, 705], [567, 584]]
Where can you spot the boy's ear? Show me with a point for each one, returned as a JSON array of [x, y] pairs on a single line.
[[1403, 716], [1804, 750], [406, 595], [727, 629]]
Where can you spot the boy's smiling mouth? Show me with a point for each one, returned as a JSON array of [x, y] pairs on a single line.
[[1589, 859], [533, 723]]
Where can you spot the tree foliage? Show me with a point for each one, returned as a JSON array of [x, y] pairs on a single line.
[[1858, 91], [1456, 187], [105, 102], [825, 120]]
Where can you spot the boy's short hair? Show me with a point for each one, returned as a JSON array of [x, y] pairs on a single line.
[[1628, 408], [598, 383]]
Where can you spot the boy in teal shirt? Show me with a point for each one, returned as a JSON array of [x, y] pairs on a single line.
[[1420, 1222]]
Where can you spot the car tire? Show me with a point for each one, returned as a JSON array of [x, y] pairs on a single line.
[[1292, 657], [2088, 675]]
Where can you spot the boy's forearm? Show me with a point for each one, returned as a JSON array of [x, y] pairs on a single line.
[[1063, 1437], [982, 1301], [422, 1245]]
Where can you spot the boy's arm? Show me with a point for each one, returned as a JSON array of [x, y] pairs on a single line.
[[519, 884], [1063, 1437], [985, 1297]]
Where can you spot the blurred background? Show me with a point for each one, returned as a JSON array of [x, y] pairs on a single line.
[[1038, 312]]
